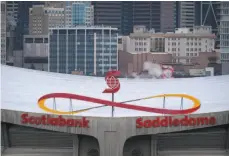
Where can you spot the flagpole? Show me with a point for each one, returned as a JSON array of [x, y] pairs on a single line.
[[112, 109]]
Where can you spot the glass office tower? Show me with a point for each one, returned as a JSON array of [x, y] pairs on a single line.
[[91, 50], [82, 13]]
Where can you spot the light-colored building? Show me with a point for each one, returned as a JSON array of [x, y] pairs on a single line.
[[186, 14], [35, 52], [75, 12], [185, 44], [142, 40], [42, 18], [3, 32], [90, 49]]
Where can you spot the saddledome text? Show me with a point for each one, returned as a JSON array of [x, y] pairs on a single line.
[[171, 121]]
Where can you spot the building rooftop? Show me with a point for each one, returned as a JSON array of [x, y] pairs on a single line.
[[21, 89], [85, 27]]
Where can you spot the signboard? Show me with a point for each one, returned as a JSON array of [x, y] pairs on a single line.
[[172, 121], [113, 87], [59, 121]]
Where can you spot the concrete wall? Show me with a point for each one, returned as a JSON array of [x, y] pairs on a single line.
[[112, 133]]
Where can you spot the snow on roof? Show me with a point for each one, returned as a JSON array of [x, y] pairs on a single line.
[[21, 88]]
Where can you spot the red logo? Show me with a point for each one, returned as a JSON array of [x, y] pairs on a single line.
[[112, 82]]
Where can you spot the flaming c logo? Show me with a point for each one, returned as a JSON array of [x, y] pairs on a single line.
[[112, 82], [114, 86]]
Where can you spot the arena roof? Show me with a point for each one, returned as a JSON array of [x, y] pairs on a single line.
[[21, 89]]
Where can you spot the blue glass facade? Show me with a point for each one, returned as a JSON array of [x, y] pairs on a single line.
[[92, 51], [78, 14]]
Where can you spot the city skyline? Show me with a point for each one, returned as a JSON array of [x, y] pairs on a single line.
[[159, 17]]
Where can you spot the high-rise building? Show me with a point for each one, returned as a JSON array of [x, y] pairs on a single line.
[[88, 49], [82, 14], [42, 18], [124, 15], [147, 14], [224, 32], [186, 14], [168, 16], [11, 22], [22, 25], [3, 32], [208, 13], [127, 18], [108, 13], [12, 10]]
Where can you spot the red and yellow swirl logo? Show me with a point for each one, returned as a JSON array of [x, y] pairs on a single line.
[[114, 86]]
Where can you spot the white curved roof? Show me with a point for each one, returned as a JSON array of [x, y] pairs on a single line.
[[21, 88]]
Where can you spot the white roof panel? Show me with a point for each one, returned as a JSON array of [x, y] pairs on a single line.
[[21, 89]]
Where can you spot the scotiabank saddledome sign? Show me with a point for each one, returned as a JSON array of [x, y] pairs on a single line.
[[170, 121], [114, 86]]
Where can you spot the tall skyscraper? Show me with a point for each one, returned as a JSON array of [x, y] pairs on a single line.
[[224, 32], [82, 14], [3, 32], [168, 16], [127, 18], [12, 10], [147, 13], [22, 25], [11, 22], [108, 13], [208, 13], [186, 14], [124, 15]]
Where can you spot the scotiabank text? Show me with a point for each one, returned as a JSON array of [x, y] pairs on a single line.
[[59, 121], [171, 121]]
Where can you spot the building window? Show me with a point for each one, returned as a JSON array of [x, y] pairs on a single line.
[[187, 54]]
